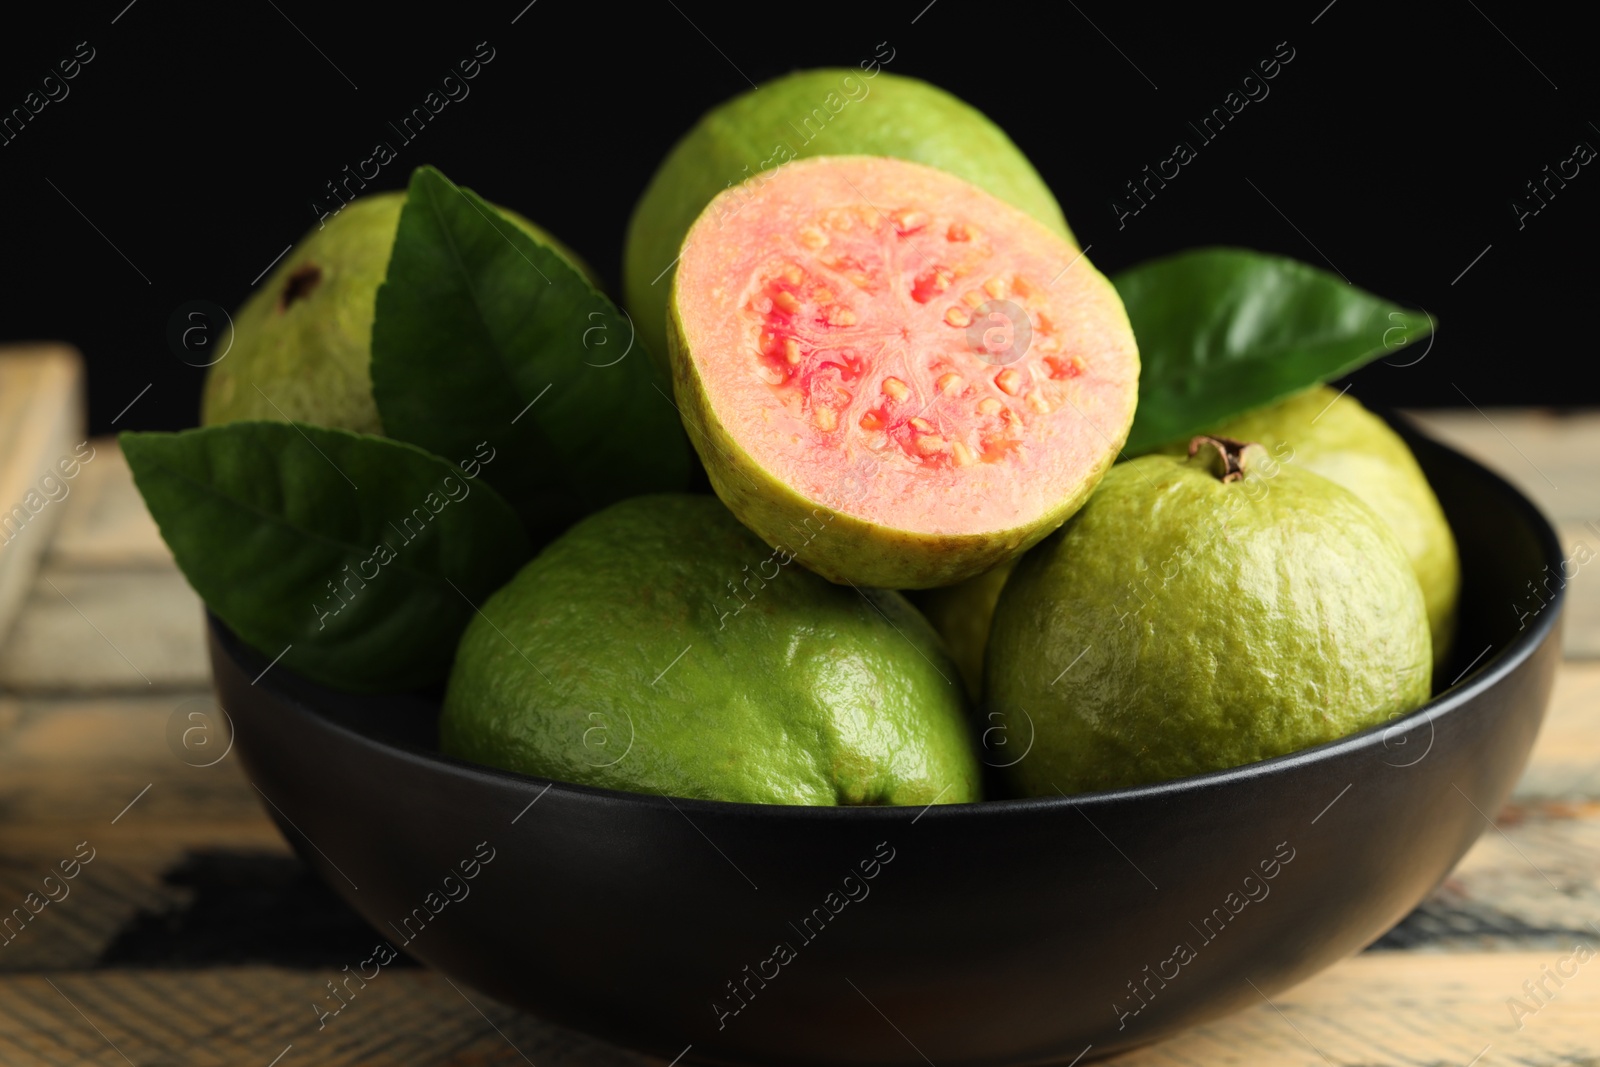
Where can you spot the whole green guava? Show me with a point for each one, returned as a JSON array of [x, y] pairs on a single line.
[[1338, 438], [301, 346], [826, 112], [660, 647], [1199, 614]]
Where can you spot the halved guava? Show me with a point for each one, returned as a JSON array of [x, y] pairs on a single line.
[[899, 377]]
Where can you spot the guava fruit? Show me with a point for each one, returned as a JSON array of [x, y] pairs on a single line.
[[883, 344], [1202, 613], [962, 614], [301, 345], [833, 112], [1339, 439], [659, 647]]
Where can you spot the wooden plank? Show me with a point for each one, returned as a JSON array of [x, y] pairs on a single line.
[[228, 1017], [1555, 459], [1369, 1011], [83, 630], [1551, 456], [1565, 764], [1531, 881], [1407, 1010], [105, 524], [101, 900], [70, 766], [1581, 540], [41, 419], [109, 610], [112, 772]]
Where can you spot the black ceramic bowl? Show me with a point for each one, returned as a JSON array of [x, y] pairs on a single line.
[[1006, 932]]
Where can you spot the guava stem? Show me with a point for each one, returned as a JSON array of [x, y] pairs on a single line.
[[1230, 450]]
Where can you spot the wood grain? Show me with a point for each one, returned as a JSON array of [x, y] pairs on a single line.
[[1394, 1009], [107, 526], [103, 632], [41, 419], [1555, 460], [109, 611], [1565, 764], [249, 1016], [104, 770], [1405, 1009], [1581, 539], [1550, 456]]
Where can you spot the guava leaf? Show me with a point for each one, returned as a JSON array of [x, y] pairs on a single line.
[[1225, 330], [265, 517], [485, 334]]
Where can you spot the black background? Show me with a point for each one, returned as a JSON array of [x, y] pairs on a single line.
[[1391, 147]]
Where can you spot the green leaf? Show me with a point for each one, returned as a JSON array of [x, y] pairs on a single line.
[[483, 332], [363, 556], [1225, 330]]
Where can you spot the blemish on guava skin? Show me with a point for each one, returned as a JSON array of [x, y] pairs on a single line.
[[299, 285]]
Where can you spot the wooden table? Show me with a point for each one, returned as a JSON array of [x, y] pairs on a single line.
[[194, 937]]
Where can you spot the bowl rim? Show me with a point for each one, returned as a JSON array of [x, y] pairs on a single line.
[[1480, 676]]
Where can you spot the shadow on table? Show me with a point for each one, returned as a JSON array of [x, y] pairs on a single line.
[[245, 908]]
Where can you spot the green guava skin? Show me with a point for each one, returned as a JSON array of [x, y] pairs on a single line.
[[662, 628], [1179, 624], [962, 614], [309, 360], [1339, 439], [879, 115]]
